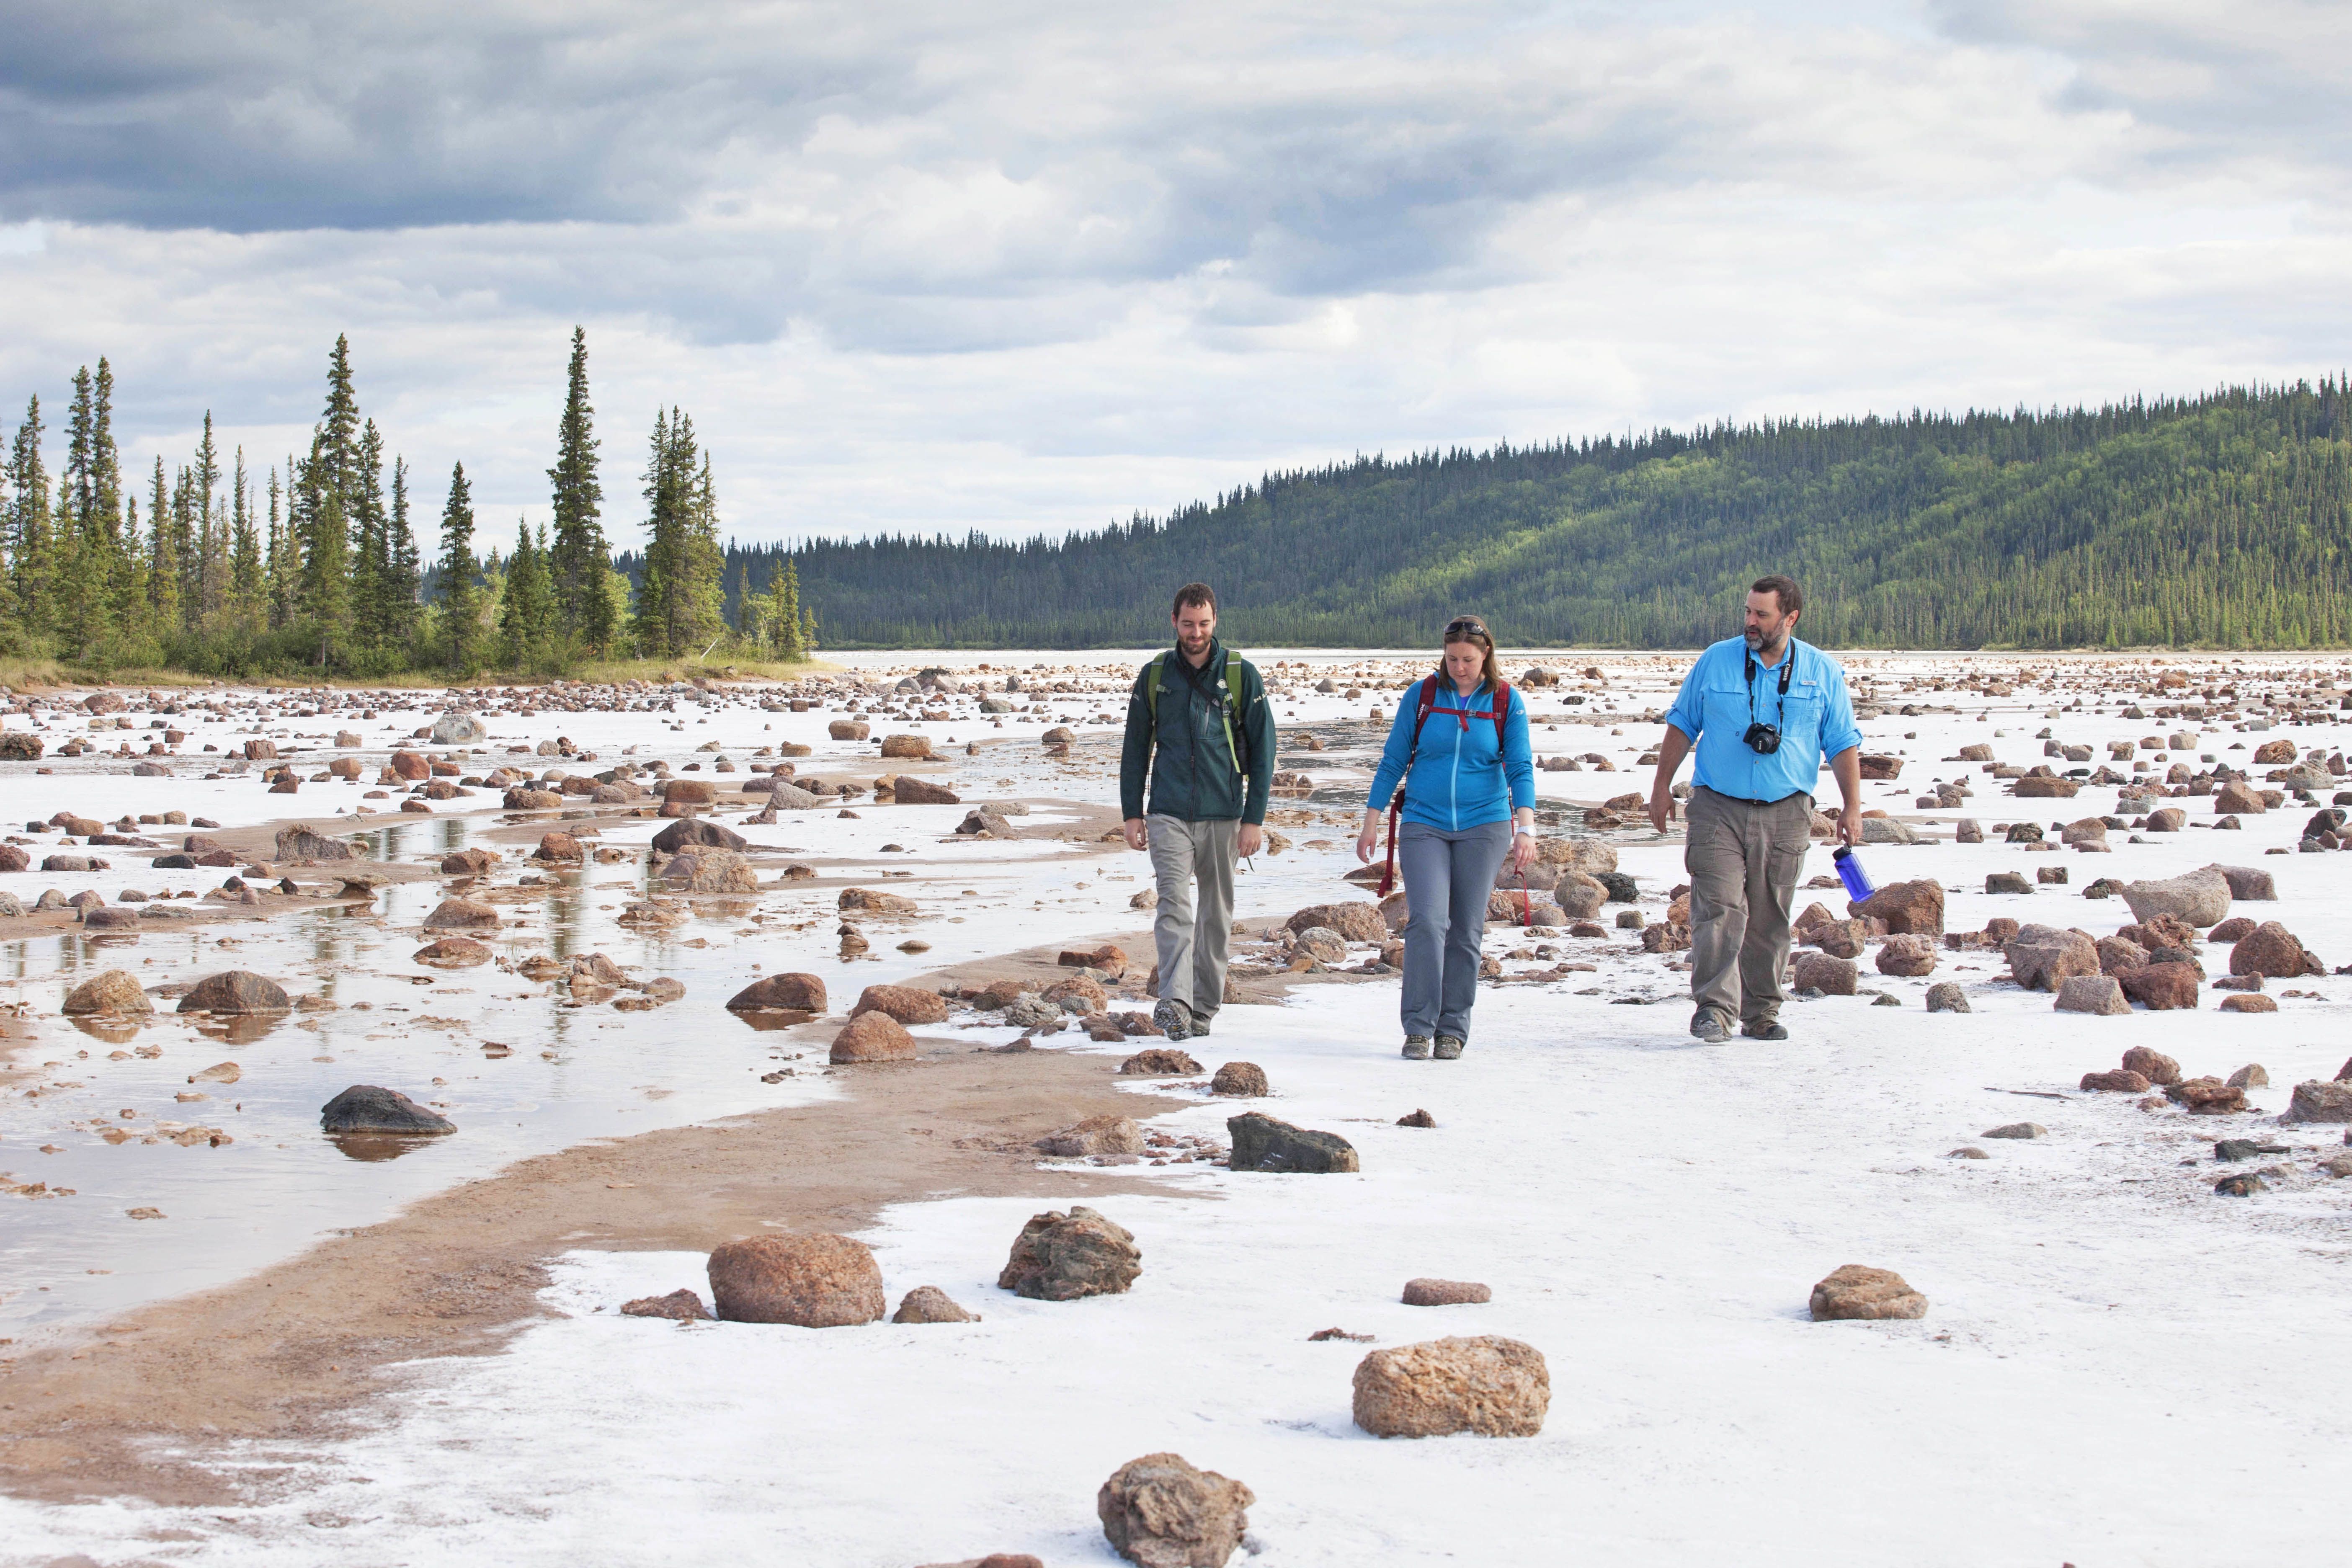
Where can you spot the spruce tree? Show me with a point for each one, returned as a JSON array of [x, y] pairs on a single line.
[[248, 590], [580, 558], [780, 620], [526, 607], [460, 598], [31, 563], [403, 578], [211, 532], [163, 557], [371, 544], [325, 597], [85, 574], [282, 566]]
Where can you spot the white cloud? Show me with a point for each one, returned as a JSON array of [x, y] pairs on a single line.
[[1028, 268]]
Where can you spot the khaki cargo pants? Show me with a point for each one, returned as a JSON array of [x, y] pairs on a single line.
[[1192, 941], [1744, 859]]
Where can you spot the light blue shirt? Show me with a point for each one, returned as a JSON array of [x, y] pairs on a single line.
[[1716, 704]]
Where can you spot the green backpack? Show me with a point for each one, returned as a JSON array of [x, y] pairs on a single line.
[[1233, 684]]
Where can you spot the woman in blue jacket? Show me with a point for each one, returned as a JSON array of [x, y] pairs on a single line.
[[1460, 748]]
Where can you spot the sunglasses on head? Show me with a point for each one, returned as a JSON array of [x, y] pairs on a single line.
[[1465, 624]]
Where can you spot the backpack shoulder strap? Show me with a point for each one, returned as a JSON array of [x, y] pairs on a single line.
[[1422, 706], [1502, 713]]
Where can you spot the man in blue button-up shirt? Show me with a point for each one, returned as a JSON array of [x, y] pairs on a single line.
[[1762, 710]]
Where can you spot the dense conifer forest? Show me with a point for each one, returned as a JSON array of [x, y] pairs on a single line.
[[2220, 520]]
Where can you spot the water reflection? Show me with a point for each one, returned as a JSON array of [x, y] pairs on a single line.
[[113, 1031], [373, 1147], [242, 1028]]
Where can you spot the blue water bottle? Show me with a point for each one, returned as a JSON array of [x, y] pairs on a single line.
[[1849, 872]]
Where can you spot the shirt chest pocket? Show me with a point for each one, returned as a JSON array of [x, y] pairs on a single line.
[[1723, 711]]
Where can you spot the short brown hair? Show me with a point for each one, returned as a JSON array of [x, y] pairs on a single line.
[[1195, 594], [1784, 589]]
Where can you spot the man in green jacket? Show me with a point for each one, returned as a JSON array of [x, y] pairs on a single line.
[[1198, 720]]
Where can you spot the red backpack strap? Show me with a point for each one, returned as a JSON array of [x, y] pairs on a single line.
[[1502, 713], [1421, 707]]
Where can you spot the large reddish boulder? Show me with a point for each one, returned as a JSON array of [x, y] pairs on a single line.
[[812, 1281], [907, 1004], [873, 1036], [2272, 950], [802, 993], [2043, 958], [2161, 987], [1908, 909]]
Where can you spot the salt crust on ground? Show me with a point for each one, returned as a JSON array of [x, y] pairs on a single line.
[[2116, 1367]]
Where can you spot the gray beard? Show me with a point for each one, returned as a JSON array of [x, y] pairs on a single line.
[[1756, 644]]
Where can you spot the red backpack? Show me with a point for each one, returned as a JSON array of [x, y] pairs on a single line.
[[1424, 706]]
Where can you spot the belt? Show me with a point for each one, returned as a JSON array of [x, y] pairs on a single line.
[[1744, 800]]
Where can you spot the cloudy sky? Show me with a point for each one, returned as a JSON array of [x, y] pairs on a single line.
[[1024, 267]]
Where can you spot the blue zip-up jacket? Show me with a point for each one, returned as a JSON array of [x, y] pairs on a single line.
[[1456, 779]]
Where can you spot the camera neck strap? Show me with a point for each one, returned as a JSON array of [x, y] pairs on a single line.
[[1787, 669]]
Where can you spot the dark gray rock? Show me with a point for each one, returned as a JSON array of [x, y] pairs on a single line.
[[365, 1108], [1263, 1143]]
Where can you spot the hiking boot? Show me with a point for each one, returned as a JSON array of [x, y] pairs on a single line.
[[1707, 1030], [1200, 1024], [1175, 1020], [1764, 1029], [1449, 1048], [1416, 1047]]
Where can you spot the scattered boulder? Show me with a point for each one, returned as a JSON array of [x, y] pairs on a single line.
[[459, 729], [2151, 1065], [2161, 987], [1158, 1062], [451, 952], [848, 729], [1907, 909], [2200, 898], [558, 847], [2252, 1076], [1094, 1135], [2245, 1004], [909, 790], [2237, 798], [2272, 950], [816, 1281], [1856, 1293], [1160, 1512], [907, 748], [1446, 1293], [802, 992], [298, 843], [2250, 883], [116, 992], [873, 1036], [2094, 994], [2017, 1130], [2043, 958], [524, 798], [1240, 1079], [929, 1304], [2316, 1102], [866, 902], [1354, 921], [2120, 1080], [369, 1108], [1820, 972], [235, 991], [705, 871], [2207, 1096], [907, 1004], [1108, 957], [2007, 882], [2234, 929], [1907, 956], [695, 833], [470, 863], [1416, 1118], [1061, 1257], [681, 1306], [1490, 1386], [1262, 1143], [1945, 996]]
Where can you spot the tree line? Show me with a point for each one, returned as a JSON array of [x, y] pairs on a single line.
[[2219, 520], [314, 568]]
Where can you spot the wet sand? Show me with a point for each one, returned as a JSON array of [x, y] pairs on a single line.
[[296, 1352]]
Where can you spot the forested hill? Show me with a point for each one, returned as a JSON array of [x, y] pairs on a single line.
[[2221, 520]]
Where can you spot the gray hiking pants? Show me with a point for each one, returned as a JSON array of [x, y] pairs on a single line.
[[1447, 875], [1193, 944], [1743, 859]]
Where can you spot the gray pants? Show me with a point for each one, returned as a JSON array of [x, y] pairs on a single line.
[[1743, 860], [1192, 947], [1447, 875]]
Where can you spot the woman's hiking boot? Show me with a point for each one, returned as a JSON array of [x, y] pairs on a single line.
[[1416, 1047]]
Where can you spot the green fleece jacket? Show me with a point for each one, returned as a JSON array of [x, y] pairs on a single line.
[[1193, 771]]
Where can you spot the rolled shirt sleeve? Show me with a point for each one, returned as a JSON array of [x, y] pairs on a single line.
[[1685, 715], [1839, 731]]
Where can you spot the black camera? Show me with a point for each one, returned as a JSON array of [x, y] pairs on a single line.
[[1763, 739]]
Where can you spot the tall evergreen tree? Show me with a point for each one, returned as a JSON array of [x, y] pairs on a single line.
[[580, 558], [403, 575], [248, 587], [526, 606], [371, 543], [461, 606], [781, 626], [680, 600], [163, 557], [85, 589], [31, 563], [210, 525], [282, 565]]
